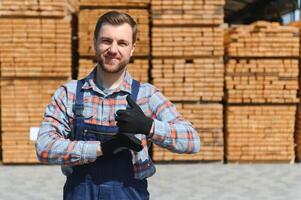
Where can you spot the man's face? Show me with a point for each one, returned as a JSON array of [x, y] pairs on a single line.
[[114, 47]]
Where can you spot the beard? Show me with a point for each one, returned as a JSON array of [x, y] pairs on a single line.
[[108, 69]]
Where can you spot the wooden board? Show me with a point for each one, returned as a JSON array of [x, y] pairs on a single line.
[[189, 79], [260, 133], [262, 39], [207, 119], [130, 3], [187, 41], [89, 17], [23, 103], [262, 81], [138, 68], [38, 8], [205, 12], [35, 47]]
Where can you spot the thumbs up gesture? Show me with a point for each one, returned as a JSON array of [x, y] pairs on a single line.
[[133, 120]]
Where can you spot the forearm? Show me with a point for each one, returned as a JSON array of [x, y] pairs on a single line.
[[53, 148], [178, 136]]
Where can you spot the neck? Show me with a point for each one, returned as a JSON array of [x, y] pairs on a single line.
[[109, 80]]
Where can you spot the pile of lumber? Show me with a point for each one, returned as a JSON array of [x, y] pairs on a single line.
[[262, 74], [35, 47], [297, 24], [42, 8], [35, 59], [260, 133], [187, 67], [138, 69], [208, 121], [189, 42], [117, 3], [262, 81], [262, 39], [188, 12], [23, 103], [197, 79]]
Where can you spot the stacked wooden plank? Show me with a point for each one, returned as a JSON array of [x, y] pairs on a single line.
[[260, 133], [23, 103], [89, 13], [261, 91], [187, 66], [138, 68], [188, 12], [297, 24], [35, 57], [126, 3], [35, 47], [42, 8], [194, 80], [262, 39], [208, 121], [262, 81]]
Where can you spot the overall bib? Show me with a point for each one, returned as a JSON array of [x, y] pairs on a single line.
[[109, 177]]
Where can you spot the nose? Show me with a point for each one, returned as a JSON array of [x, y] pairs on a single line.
[[113, 48]]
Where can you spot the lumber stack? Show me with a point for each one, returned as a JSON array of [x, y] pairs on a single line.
[[262, 80], [35, 57], [23, 103], [261, 92], [41, 8], [260, 133], [208, 121], [91, 10], [188, 12], [35, 47], [138, 68], [195, 79], [262, 39], [119, 3], [297, 24], [187, 67]]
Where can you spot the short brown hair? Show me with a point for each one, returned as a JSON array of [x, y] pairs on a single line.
[[115, 18]]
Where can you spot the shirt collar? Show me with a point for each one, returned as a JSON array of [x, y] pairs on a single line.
[[125, 86]]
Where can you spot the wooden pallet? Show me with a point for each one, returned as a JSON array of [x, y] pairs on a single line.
[[89, 17], [262, 81], [260, 133], [189, 79], [35, 47], [38, 8], [111, 3], [207, 119], [187, 41], [206, 12], [138, 68], [262, 39], [23, 102]]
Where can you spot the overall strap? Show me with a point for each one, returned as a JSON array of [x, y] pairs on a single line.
[[135, 90], [77, 109]]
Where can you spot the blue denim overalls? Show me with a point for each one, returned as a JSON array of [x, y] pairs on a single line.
[[109, 177]]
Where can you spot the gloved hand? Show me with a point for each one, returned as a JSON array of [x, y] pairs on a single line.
[[118, 143], [133, 120]]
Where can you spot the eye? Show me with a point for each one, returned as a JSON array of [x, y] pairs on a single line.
[[123, 43], [106, 41]]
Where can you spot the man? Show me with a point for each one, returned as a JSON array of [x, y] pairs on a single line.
[[100, 126]]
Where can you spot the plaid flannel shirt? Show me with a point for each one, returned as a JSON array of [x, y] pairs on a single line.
[[171, 131]]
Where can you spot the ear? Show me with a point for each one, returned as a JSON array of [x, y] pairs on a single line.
[[133, 49]]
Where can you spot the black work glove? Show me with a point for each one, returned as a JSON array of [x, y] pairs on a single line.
[[119, 143], [133, 120]]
